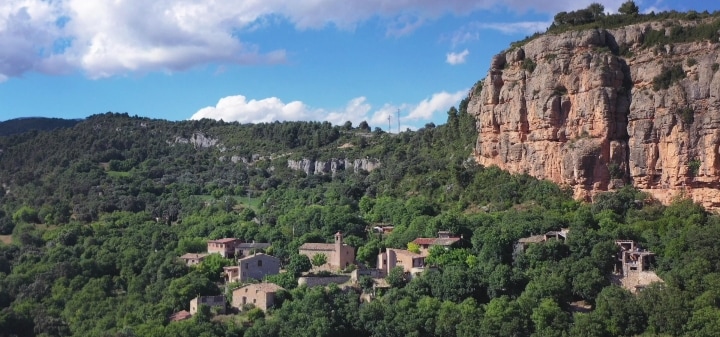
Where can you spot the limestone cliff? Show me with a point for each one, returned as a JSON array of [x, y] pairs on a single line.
[[597, 109]]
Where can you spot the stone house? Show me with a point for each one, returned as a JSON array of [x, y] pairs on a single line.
[[412, 263], [224, 247], [444, 239], [633, 267], [261, 295], [339, 255], [217, 302], [523, 243], [192, 259], [250, 248], [256, 267]]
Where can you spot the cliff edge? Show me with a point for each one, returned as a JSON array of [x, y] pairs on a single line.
[[598, 109]]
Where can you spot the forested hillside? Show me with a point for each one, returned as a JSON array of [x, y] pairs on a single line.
[[94, 217]]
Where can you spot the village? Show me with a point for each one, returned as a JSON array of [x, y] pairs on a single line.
[[252, 266]]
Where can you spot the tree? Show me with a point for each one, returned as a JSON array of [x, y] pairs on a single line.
[[213, 265], [396, 277], [549, 319], [298, 265], [596, 9], [319, 259], [413, 247], [629, 8]]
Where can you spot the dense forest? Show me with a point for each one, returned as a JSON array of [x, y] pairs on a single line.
[[94, 215]]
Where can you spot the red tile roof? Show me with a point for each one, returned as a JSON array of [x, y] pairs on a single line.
[[436, 241], [224, 240], [424, 241]]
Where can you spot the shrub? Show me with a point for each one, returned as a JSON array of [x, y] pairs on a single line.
[[529, 65], [668, 77], [687, 115], [694, 167], [615, 171], [715, 67], [691, 62]]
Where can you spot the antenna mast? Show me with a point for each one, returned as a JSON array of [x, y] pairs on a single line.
[[389, 119], [398, 119]]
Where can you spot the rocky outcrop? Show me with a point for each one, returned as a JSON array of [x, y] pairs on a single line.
[[331, 166], [198, 140], [582, 109]]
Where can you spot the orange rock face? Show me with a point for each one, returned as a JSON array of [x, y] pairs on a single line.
[[570, 108]]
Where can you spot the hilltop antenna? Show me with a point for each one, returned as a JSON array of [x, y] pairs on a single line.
[[398, 119], [389, 119]]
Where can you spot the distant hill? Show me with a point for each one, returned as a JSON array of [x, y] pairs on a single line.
[[25, 124]]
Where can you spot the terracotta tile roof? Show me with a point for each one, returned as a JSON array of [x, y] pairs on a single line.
[[436, 241], [180, 316], [424, 241], [318, 246], [189, 256], [224, 240]]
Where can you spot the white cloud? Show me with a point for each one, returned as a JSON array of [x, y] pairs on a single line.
[[438, 103], [527, 27], [108, 37], [239, 108], [457, 58]]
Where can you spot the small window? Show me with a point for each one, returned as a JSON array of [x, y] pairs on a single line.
[[246, 265], [259, 263]]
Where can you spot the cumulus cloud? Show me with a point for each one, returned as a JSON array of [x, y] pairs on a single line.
[[438, 103], [239, 109], [457, 58], [105, 37]]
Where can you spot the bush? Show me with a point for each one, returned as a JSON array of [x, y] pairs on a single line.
[[687, 115], [529, 65], [694, 167], [668, 77], [691, 62]]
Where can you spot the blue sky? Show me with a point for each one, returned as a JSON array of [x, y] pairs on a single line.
[[262, 60]]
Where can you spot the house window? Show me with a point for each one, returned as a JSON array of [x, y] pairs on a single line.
[[246, 265], [259, 263]]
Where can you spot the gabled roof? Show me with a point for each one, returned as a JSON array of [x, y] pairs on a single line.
[[436, 241], [224, 240], [318, 246], [258, 255], [264, 287], [424, 241], [189, 256]]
